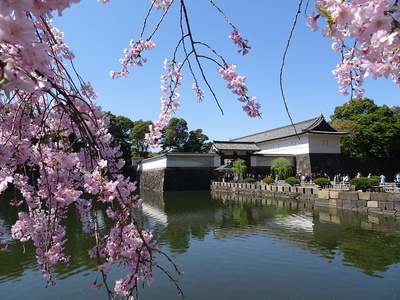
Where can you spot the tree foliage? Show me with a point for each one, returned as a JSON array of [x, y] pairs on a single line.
[[120, 128], [374, 131], [176, 138], [281, 167], [239, 167], [197, 142], [175, 135], [140, 147]]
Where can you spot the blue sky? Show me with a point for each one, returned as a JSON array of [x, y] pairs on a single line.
[[98, 33]]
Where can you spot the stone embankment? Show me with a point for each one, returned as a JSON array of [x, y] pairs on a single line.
[[369, 202]]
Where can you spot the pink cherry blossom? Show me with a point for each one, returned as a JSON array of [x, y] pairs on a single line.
[[370, 27], [236, 37], [237, 84]]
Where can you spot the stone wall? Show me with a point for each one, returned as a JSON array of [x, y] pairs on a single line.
[[151, 179], [382, 203], [188, 179], [176, 179], [365, 201]]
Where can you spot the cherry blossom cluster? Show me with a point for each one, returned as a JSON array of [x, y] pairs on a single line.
[[237, 39], [198, 91], [169, 104], [161, 4], [126, 245], [133, 56], [372, 30], [55, 150], [237, 84]]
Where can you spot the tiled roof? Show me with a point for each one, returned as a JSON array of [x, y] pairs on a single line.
[[235, 146], [316, 125]]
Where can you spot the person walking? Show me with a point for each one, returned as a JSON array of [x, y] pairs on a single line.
[[383, 179]]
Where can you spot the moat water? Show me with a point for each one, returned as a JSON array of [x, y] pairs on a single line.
[[234, 249]]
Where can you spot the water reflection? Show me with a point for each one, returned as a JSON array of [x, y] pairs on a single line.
[[369, 243], [216, 238]]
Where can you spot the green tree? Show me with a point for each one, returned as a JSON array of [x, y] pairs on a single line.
[[281, 167], [196, 142], [120, 128], [374, 131], [139, 145], [174, 136], [239, 167]]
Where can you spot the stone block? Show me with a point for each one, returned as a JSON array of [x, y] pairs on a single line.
[[382, 204], [311, 190], [373, 219], [390, 205], [388, 213], [324, 216], [335, 219], [324, 194], [364, 196], [362, 203], [394, 197], [321, 202], [332, 202], [372, 204], [375, 211], [334, 194], [347, 203], [380, 196], [348, 196], [333, 211]]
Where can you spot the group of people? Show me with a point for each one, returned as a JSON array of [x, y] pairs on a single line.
[[345, 178], [308, 178]]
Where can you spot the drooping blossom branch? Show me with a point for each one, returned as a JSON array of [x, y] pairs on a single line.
[[55, 152], [170, 103], [372, 30], [237, 84], [191, 50]]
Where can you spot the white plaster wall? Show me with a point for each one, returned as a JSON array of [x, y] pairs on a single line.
[[195, 160], [320, 143], [184, 160], [158, 162], [292, 145]]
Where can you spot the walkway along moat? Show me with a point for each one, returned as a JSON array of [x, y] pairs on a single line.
[[368, 202]]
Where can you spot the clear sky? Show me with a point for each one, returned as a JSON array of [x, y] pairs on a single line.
[[97, 33]]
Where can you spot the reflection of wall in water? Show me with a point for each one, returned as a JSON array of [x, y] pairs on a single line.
[[367, 242], [377, 222]]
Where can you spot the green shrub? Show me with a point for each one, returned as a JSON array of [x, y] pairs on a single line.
[[292, 181], [322, 182], [249, 180], [268, 180], [363, 183], [376, 178]]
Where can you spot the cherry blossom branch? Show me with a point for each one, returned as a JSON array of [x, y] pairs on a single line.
[[373, 25]]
